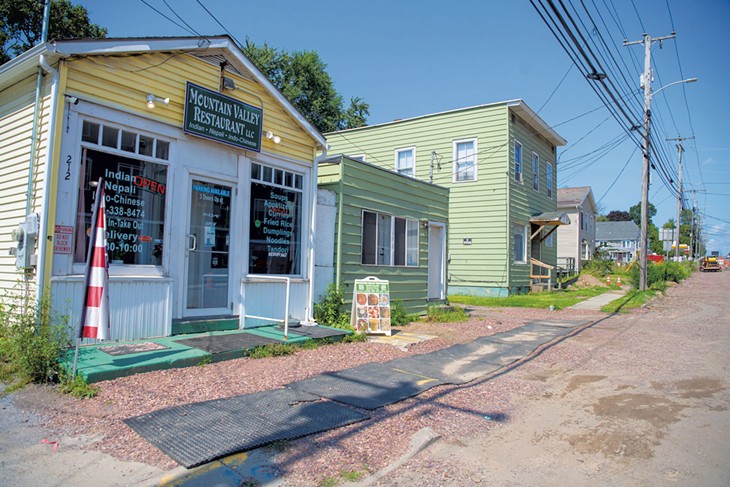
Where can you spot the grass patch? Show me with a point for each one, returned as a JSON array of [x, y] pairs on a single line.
[[282, 349], [559, 299], [328, 482], [632, 299], [352, 475], [438, 314]]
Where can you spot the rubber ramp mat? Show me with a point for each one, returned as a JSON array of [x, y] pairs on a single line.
[[227, 342], [561, 323], [462, 363], [317, 331], [198, 433], [530, 334], [368, 386]]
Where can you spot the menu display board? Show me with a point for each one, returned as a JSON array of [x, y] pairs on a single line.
[[275, 225], [371, 306]]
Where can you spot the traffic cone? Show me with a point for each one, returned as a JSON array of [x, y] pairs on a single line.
[[619, 281], [608, 280]]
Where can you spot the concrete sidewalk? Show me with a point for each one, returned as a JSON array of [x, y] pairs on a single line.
[[595, 303]]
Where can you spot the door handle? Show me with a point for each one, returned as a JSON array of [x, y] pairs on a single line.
[[192, 239]]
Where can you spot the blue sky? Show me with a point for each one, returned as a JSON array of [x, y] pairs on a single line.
[[410, 58]]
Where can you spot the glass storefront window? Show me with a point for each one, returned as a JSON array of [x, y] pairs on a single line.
[[276, 218]]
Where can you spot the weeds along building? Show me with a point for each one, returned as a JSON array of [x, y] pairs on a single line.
[[209, 174]]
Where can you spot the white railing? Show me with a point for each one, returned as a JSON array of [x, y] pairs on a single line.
[[287, 281]]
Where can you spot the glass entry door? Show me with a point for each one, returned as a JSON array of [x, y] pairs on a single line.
[[208, 243]]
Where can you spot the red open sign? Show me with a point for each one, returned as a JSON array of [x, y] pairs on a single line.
[[149, 184]]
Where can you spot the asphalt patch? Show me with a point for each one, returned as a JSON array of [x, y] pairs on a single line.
[[194, 434], [227, 342]]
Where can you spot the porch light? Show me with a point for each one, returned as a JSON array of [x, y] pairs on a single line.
[[274, 138], [152, 100]]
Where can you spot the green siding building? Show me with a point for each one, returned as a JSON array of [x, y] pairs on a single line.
[[389, 226], [498, 161]]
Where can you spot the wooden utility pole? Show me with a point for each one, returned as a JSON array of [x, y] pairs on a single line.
[[680, 149], [646, 82]]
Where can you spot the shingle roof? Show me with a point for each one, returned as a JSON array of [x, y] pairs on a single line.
[[572, 196], [617, 231]]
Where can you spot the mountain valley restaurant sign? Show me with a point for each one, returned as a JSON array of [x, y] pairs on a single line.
[[222, 118]]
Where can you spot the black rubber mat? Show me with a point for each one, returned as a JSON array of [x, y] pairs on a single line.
[[227, 342], [317, 331], [368, 386], [561, 323], [530, 334], [198, 433], [454, 365]]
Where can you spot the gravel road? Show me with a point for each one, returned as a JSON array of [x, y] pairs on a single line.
[[637, 399]]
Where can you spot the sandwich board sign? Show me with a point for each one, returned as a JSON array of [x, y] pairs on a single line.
[[371, 306]]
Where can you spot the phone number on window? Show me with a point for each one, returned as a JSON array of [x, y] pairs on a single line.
[[128, 212]]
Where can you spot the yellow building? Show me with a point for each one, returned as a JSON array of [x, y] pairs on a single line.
[[209, 175]]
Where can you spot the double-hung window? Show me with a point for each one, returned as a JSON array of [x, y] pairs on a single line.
[[405, 161], [465, 160], [388, 240], [519, 233], [535, 172], [549, 180], [518, 161]]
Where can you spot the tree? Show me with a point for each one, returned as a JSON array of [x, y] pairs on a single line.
[[21, 25], [302, 77], [618, 216], [635, 212]]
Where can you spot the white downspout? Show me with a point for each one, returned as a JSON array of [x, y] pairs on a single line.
[[312, 235], [50, 169]]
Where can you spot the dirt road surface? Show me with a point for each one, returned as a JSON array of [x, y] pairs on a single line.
[[634, 400], [638, 399]]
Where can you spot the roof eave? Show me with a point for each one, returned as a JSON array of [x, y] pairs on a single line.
[[534, 119]]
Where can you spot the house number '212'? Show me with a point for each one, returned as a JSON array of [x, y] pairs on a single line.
[[67, 177]]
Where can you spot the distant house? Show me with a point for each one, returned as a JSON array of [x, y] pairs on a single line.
[[619, 240], [373, 221], [498, 161], [577, 241]]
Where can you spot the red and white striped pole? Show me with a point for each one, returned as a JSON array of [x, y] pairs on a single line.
[[95, 313]]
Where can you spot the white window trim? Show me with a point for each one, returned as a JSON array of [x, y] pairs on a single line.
[[395, 160], [524, 243], [549, 184], [519, 177], [392, 239], [535, 172], [454, 159]]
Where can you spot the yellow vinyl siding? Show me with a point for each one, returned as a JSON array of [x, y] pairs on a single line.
[[124, 82], [16, 118]]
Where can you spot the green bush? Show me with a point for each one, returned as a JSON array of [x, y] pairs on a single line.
[[330, 310], [598, 267], [657, 274], [398, 314], [31, 346]]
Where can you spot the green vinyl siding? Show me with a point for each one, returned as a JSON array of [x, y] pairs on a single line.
[[365, 187], [482, 211]]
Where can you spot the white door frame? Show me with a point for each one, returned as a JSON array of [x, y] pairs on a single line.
[[436, 288]]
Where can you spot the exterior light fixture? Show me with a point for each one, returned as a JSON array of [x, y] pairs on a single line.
[[274, 138], [152, 101], [228, 84]]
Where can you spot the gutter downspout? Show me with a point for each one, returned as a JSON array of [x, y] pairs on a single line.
[[45, 224], [312, 235], [340, 199]]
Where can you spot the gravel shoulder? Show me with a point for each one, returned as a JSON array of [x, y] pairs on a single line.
[[537, 388]]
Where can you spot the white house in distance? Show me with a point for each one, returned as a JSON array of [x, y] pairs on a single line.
[[618, 239], [577, 241]]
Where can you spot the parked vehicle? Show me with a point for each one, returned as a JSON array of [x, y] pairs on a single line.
[[710, 264]]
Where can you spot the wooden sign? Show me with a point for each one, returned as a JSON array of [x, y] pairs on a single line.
[[371, 306]]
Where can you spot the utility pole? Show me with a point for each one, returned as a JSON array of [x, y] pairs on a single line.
[[646, 79], [680, 149]]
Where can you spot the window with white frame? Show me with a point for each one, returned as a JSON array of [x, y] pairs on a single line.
[[549, 180], [405, 161], [519, 233], [133, 166], [535, 172], [518, 161], [276, 221], [388, 240], [465, 160]]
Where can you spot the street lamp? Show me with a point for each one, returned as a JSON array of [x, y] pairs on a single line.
[[645, 170]]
